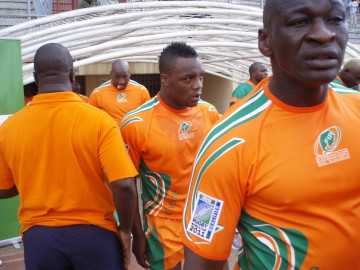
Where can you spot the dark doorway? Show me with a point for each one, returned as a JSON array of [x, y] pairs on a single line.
[[150, 81]]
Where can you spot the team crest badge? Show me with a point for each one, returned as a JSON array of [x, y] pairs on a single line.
[[326, 147], [121, 98], [185, 131]]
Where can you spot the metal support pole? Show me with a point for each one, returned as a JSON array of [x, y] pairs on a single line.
[[29, 9]]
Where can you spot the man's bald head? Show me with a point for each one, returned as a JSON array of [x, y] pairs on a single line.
[[120, 66], [273, 7], [350, 74], [120, 74], [53, 68]]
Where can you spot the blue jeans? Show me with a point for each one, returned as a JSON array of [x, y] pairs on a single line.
[[77, 247]]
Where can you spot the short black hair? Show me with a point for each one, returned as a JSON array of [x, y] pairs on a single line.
[[173, 51], [254, 66]]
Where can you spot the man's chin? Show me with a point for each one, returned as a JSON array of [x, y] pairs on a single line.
[[320, 77]]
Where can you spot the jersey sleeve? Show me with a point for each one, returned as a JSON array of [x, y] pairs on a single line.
[[132, 131], [214, 115], [216, 196], [114, 158], [6, 178], [93, 98], [241, 91]]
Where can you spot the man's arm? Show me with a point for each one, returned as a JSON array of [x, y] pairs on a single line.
[[139, 241], [124, 194], [195, 262], [8, 193]]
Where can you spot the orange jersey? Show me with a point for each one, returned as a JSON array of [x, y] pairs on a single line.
[[56, 151], [287, 177], [162, 143], [118, 102]]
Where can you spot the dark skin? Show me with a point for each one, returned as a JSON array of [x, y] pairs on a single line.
[[350, 76], [181, 86], [305, 41], [120, 74], [306, 45], [259, 73], [8, 193]]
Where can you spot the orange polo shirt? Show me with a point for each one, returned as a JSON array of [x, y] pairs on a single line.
[[118, 102], [56, 151]]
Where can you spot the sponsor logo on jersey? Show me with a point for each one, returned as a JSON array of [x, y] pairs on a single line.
[[205, 218], [326, 147], [121, 98], [185, 131]]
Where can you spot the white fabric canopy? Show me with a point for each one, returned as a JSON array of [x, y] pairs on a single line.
[[224, 34]]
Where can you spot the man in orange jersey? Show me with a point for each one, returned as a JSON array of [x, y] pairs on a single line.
[[121, 95], [283, 167], [162, 136], [349, 76], [257, 72], [66, 205]]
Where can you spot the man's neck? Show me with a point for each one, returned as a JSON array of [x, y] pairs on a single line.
[[296, 93]]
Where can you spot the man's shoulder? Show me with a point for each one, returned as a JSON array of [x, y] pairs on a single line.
[[239, 125], [101, 89], [140, 114], [242, 89], [206, 106], [135, 86], [342, 90]]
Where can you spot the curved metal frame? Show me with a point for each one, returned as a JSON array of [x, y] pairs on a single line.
[[224, 34]]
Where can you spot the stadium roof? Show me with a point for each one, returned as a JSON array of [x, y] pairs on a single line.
[[225, 35]]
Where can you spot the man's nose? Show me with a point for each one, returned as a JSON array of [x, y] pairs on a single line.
[[320, 32]]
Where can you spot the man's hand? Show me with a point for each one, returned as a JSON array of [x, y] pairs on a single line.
[[8, 193], [125, 239], [140, 251]]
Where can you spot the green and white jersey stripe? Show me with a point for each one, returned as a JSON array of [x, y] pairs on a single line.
[[144, 107], [130, 120], [3, 118], [250, 110], [338, 88], [219, 152]]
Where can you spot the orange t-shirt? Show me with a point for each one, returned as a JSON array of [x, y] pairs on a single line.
[[288, 177], [162, 143], [56, 151], [118, 102]]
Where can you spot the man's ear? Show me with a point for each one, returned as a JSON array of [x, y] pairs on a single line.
[[71, 75], [164, 79], [36, 78], [264, 42]]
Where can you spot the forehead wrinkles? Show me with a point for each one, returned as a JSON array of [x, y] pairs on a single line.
[[309, 6]]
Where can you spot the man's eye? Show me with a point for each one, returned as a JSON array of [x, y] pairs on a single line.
[[187, 78], [299, 22], [336, 20]]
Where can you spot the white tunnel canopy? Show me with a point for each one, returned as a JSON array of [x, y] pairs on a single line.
[[225, 35]]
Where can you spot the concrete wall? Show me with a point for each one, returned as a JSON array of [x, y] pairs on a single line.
[[217, 91]]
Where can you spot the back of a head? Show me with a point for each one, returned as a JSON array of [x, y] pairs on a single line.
[[171, 52], [53, 66], [353, 65], [253, 67]]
